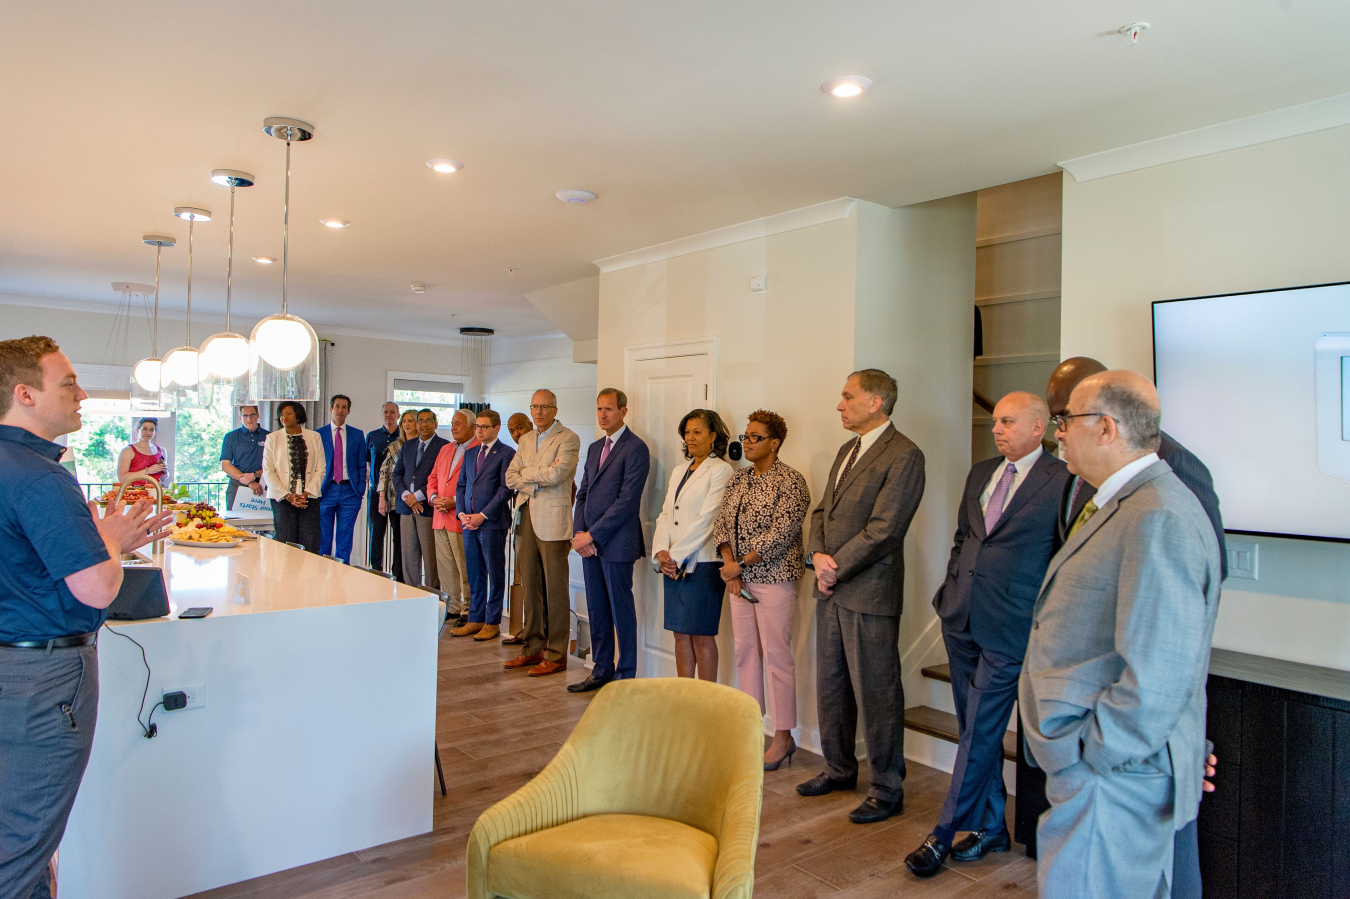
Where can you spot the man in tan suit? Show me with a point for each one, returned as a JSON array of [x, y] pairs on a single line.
[[541, 474]]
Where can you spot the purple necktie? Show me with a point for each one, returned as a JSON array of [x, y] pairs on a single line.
[[337, 455], [994, 510], [604, 453]]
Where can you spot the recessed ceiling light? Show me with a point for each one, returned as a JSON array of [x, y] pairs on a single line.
[[192, 213], [335, 223], [575, 196], [265, 260], [444, 166], [847, 86]]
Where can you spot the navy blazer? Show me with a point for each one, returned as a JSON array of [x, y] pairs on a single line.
[[993, 578], [491, 496], [409, 477], [1187, 467], [355, 460], [609, 503]]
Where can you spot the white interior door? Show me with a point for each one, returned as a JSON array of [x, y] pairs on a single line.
[[661, 391]]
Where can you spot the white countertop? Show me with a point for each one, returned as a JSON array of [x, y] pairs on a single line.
[[278, 578]]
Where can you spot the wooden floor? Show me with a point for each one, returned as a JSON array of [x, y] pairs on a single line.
[[497, 729]]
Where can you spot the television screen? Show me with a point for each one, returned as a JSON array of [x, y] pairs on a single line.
[[1258, 386]]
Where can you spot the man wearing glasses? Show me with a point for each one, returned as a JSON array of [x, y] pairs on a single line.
[[542, 473], [483, 502], [241, 455], [1112, 693]]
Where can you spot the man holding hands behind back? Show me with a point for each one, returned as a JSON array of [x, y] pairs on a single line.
[[1112, 692], [857, 549], [60, 569], [1005, 536]]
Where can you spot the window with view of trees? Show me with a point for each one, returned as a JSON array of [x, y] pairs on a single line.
[[196, 438]]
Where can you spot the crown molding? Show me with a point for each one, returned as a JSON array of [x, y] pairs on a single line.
[[806, 217], [321, 329], [1291, 121]]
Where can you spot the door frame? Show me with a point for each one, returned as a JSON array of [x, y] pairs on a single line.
[[696, 346]]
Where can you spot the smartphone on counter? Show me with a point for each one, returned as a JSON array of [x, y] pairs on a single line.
[[200, 612]]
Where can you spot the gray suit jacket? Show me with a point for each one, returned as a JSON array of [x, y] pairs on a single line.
[[1115, 670], [864, 530]]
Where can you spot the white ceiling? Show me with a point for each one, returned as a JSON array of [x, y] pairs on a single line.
[[683, 117]]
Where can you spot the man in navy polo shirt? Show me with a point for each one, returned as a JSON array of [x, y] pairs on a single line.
[[59, 571], [241, 454]]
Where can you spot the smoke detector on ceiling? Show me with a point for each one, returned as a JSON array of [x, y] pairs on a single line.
[[575, 196], [1134, 30], [419, 288]]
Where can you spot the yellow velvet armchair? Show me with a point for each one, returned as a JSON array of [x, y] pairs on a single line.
[[655, 795]]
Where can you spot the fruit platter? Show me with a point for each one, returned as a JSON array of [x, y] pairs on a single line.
[[198, 524]]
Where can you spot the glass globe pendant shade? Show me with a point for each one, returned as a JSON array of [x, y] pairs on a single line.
[[145, 385], [180, 386], [285, 359], [226, 359]]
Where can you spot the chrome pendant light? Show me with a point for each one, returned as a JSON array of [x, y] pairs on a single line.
[[145, 375], [285, 347], [226, 357], [181, 376]]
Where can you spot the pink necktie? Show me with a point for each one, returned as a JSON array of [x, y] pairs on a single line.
[[337, 455], [995, 507], [604, 453]]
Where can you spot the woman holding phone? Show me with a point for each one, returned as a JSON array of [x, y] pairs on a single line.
[[759, 536], [683, 549]]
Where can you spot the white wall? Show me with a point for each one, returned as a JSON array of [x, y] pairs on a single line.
[[875, 288], [1268, 216]]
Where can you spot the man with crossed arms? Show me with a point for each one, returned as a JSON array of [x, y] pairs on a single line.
[[541, 473]]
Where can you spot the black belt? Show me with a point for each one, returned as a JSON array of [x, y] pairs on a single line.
[[343, 481], [54, 643]]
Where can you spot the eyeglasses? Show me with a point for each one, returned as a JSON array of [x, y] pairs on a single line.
[[535, 407], [483, 427], [753, 439], [1062, 421]]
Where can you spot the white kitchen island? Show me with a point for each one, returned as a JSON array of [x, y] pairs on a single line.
[[314, 736]]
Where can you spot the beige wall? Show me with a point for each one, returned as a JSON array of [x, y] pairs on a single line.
[[875, 289], [1269, 216]]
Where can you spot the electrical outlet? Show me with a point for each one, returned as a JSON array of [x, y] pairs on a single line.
[[1243, 559], [196, 695]]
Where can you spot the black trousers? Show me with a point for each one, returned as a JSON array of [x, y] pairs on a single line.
[[293, 525], [48, 708], [377, 526]]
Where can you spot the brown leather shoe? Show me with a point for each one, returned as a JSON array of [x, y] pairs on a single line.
[[523, 661], [489, 632], [545, 668], [472, 627]]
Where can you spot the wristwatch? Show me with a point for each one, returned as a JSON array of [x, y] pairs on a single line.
[[741, 560]]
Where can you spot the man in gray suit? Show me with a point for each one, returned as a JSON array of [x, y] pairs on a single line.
[[1112, 692], [857, 549]]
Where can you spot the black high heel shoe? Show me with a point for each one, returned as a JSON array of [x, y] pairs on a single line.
[[787, 757]]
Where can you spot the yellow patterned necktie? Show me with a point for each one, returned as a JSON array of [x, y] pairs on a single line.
[[1088, 511]]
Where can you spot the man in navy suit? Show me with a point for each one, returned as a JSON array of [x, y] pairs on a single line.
[[344, 450], [417, 539], [483, 502], [609, 539], [1005, 537]]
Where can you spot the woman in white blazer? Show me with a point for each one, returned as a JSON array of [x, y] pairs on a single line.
[[293, 471], [683, 549]]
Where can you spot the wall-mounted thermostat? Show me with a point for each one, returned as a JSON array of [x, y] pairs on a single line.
[[1333, 405], [759, 283]]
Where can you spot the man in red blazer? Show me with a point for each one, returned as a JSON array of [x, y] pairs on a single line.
[[445, 521]]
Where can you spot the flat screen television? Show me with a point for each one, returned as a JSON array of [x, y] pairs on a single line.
[[1258, 386]]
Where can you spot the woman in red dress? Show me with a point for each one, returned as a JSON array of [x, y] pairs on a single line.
[[144, 456]]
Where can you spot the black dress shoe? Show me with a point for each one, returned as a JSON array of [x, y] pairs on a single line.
[[873, 810], [590, 683], [822, 783], [980, 843], [927, 859]]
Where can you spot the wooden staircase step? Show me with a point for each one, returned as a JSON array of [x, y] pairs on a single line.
[[940, 724], [938, 672]]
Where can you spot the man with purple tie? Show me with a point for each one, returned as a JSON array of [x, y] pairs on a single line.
[[1005, 537], [609, 539], [344, 449]]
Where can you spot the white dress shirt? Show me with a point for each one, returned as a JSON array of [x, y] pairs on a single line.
[[418, 494], [1022, 465], [613, 439], [868, 439], [1111, 486]]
